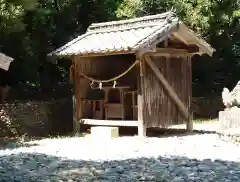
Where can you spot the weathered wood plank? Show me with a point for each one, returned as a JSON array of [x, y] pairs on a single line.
[[159, 110], [189, 92], [176, 34], [76, 104], [141, 125], [171, 50], [108, 122], [170, 91]]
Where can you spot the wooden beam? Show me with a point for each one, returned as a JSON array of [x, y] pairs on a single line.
[[171, 50], [194, 39], [177, 44], [76, 102], [175, 34], [75, 124], [170, 91], [108, 122], [159, 54], [141, 125], [189, 125]]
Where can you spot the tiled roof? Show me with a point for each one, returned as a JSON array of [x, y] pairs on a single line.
[[119, 36]]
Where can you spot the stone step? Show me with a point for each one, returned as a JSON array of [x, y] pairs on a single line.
[[104, 132]]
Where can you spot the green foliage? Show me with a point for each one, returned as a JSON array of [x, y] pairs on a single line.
[[10, 17], [26, 4], [128, 9], [32, 28], [215, 20], [37, 30]]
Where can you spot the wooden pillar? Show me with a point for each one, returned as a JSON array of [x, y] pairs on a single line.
[[76, 99], [189, 125], [76, 124], [142, 130]]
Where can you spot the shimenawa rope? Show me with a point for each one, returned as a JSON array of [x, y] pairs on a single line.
[[108, 80], [111, 79]]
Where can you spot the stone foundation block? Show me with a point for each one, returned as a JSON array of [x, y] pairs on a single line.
[[104, 132], [229, 121]]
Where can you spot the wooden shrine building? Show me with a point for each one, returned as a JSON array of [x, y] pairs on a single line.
[[134, 72]]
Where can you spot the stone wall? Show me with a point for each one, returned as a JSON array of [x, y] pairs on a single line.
[[43, 118], [36, 118]]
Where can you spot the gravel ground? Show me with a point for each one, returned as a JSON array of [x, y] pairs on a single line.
[[199, 157]]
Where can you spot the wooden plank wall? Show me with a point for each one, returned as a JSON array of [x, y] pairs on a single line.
[[103, 67], [159, 111]]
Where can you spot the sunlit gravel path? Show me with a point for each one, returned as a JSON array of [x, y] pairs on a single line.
[[200, 157]]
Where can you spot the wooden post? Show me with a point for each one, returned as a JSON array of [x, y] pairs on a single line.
[[142, 131], [76, 124], [170, 91], [76, 100], [189, 125]]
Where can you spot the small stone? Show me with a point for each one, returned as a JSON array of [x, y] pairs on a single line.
[[143, 178], [162, 165], [99, 172], [207, 161], [178, 179], [120, 169], [183, 163], [203, 168]]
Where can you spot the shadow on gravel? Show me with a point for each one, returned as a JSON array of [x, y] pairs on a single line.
[[40, 167], [13, 144], [153, 132], [176, 132], [161, 132], [123, 131]]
